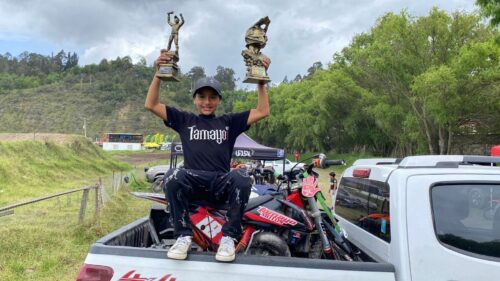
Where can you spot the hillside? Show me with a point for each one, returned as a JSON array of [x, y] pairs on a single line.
[[57, 109], [38, 96], [30, 169]]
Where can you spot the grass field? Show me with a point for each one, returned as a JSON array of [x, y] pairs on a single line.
[[43, 241], [31, 169]]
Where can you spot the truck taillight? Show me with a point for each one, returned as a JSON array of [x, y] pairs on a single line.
[[90, 272], [361, 173]]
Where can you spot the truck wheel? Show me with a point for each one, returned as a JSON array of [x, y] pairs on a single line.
[[157, 185], [268, 244]]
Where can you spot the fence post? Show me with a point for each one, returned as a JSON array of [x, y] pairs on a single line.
[[113, 182], [83, 205], [96, 213], [101, 187], [68, 200]]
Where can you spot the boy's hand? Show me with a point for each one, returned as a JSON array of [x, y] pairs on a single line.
[[163, 58], [266, 62]]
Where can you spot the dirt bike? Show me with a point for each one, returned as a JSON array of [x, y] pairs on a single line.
[[264, 225], [304, 192]]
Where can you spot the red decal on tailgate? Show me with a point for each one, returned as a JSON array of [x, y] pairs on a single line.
[[132, 276]]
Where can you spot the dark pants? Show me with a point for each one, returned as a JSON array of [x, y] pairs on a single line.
[[184, 185]]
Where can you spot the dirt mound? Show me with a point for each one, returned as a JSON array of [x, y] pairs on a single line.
[[144, 157], [42, 137]]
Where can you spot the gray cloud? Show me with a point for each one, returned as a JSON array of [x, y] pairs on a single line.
[[301, 32]]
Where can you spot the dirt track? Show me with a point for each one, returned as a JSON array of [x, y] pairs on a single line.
[[56, 138], [136, 159]]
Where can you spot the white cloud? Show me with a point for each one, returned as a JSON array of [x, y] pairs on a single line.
[[301, 32]]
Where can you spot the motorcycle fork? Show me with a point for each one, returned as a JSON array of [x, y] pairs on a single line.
[[316, 214], [245, 238], [322, 202], [335, 231]]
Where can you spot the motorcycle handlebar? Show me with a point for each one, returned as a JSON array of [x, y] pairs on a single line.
[[334, 162], [324, 163]]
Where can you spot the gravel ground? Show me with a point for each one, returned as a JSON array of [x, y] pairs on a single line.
[[140, 158]]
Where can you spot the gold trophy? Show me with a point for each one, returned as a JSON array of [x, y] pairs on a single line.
[[256, 39], [170, 71]]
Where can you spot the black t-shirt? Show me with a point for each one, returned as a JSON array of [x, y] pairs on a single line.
[[207, 141]]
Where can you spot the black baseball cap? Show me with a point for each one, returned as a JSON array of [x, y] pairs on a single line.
[[209, 82]]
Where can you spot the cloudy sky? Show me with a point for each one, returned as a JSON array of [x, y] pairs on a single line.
[[301, 32]]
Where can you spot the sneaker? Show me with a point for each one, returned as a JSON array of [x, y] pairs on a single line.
[[226, 251], [180, 248]]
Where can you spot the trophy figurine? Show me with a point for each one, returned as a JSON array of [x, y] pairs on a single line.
[[170, 71], [256, 39]]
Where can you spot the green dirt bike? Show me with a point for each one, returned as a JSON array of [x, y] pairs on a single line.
[[303, 191]]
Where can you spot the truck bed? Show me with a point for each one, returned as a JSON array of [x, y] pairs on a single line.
[[127, 251]]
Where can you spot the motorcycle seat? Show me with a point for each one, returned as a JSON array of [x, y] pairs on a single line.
[[257, 201], [205, 203], [252, 203]]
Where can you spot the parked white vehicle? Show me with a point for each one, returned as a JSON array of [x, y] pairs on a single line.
[[426, 220], [278, 165]]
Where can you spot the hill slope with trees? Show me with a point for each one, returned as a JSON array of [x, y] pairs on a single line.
[[409, 85], [53, 94]]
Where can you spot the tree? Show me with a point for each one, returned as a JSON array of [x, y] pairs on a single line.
[[434, 97], [396, 60], [311, 70], [490, 8], [225, 76], [196, 73]]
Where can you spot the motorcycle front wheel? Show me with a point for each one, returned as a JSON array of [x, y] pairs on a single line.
[[268, 244]]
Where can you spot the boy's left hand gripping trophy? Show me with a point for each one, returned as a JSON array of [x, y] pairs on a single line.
[[170, 71]]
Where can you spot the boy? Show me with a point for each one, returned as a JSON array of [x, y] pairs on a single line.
[[208, 143]]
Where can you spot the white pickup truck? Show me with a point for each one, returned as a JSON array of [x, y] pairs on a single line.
[[418, 219]]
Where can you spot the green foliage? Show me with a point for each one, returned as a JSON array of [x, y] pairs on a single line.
[[405, 87], [490, 8]]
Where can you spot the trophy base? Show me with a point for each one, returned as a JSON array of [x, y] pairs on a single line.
[[168, 72], [256, 75], [257, 80]]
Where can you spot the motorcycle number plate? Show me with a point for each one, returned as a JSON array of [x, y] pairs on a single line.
[[310, 186]]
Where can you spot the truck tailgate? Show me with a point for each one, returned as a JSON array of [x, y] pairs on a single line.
[[146, 264]]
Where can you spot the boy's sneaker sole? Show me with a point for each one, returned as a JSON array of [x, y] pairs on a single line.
[[176, 256], [225, 258]]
